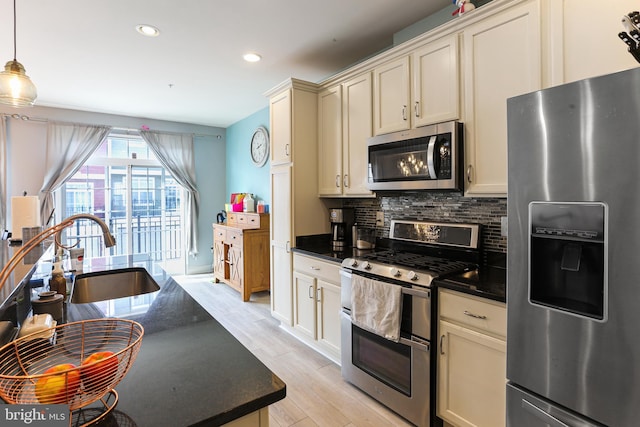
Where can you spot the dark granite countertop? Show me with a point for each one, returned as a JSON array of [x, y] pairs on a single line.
[[190, 370], [488, 281]]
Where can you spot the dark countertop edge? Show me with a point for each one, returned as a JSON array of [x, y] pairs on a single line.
[[322, 252], [246, 409], [468, 289]]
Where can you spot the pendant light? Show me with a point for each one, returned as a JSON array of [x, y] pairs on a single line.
[[16, 88]]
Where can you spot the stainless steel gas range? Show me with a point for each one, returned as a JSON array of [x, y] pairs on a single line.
[[398, 370]]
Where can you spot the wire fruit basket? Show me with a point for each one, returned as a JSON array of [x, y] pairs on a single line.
[[76, 363]]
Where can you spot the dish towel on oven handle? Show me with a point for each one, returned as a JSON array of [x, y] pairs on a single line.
[[376, 306]]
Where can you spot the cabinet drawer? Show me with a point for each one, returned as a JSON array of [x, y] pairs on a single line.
[[232, 218], [249, 220], [219, 233], [478, 313], [234, 237], [315, 267]]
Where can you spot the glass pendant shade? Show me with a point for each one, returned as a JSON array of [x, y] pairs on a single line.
[[16, 88]]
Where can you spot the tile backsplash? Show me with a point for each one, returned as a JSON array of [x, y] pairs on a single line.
[[445, 207]]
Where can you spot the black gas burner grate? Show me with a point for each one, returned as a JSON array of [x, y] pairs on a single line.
[[435, 265]]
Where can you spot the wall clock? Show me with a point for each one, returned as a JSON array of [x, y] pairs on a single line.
[[260, 147]]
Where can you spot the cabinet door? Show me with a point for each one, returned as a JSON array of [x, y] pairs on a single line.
[[575, 50], [280, 117], [436, 80], [218, 259], [357, 126], [281, 232], [391, 96], [328, 322], [304, 313], [330, 142], [471, 377], [502, 60], [235, 259]]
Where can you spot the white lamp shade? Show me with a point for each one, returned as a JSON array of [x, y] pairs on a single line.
[[16, 88]]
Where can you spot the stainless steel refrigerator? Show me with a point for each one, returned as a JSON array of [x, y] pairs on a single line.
[[573, 278]]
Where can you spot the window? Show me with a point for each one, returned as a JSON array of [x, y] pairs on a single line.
[[124, 184]]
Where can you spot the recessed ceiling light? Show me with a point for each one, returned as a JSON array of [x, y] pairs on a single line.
[[147, 30], [252, 57]]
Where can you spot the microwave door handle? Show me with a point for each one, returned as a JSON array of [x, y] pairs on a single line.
[[430, 159]]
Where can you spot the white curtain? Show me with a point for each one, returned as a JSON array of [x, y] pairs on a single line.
[[69, 146], [175, 152], [3, 173]]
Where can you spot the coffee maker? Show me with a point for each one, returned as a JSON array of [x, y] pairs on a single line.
[[341, 223]]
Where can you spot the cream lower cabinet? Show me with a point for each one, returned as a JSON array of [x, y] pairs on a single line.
[[503, 58], [471, 361], [316, 295]]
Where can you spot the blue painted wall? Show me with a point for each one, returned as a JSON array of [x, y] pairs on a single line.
[[242, 175]]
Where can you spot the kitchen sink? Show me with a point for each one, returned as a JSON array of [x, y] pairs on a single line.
[[112, 284]]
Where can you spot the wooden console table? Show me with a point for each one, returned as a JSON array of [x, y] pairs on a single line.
[[241, 253]]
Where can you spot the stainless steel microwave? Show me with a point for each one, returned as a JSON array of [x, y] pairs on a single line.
[[425, 158]]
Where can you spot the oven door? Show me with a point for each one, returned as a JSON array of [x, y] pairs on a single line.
[[395, 374]]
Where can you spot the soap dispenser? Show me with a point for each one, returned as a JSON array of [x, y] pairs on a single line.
[[58, 283]]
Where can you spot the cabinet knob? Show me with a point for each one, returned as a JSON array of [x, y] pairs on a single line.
[[337, 181], [345, 181], [416, 109], [469, 170], [441, 344], [404, 113]]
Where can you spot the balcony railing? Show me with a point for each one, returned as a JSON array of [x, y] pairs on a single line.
[[160, 238]]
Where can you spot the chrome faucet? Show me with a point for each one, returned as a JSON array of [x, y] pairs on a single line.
[[109, 240], [27, 247]]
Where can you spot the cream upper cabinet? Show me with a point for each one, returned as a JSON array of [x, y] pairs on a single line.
[[502, 59], [580, 54], [344, 124], [280, 109], [471, 360], [418, 89], [357, 126], [436, 82], [330, 142], [391, 96]]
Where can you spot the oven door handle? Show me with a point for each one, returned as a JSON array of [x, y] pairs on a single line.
[[418, 345], [416, 293]]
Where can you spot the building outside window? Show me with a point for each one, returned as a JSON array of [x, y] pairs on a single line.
[[125, 185]]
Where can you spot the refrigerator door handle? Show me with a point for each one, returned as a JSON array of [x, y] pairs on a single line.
[[542, 415]]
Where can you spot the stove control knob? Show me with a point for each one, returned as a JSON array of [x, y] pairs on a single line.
[[354, 263], [366, 265], [395, 272], [412, 275]]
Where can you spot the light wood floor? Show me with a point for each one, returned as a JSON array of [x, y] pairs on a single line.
[[316, 393]]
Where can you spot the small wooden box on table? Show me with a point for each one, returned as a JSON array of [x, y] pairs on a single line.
[[241, 252]]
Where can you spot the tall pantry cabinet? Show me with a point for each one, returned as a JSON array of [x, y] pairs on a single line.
[[296, 209]]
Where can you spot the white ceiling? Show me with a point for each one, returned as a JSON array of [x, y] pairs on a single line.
[[86, 54]]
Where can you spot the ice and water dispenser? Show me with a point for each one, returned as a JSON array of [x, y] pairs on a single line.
[[567, 257]]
